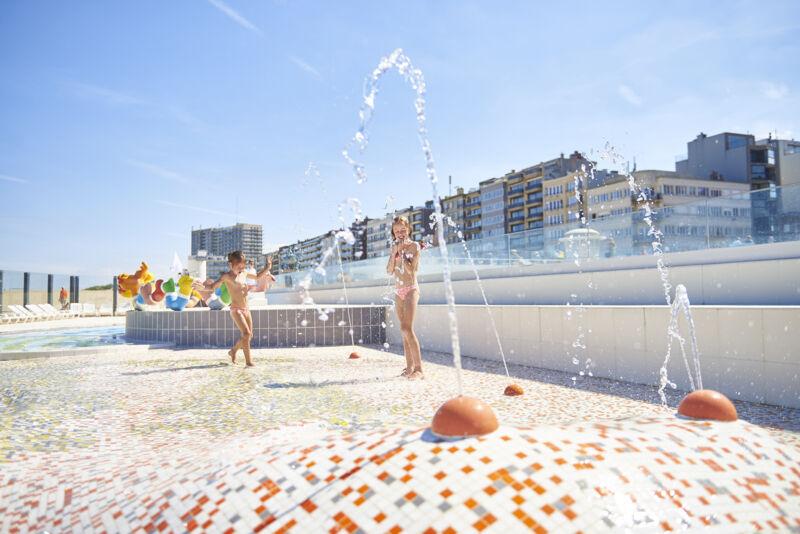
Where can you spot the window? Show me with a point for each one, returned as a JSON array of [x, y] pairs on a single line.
[[758, 171], [791, 149], [736, 141], [758, 156]]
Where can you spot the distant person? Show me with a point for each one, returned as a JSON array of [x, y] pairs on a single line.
[[236, 282], [63, 298], [403, 265]]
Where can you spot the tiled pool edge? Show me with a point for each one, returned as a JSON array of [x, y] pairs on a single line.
[[273, 327]]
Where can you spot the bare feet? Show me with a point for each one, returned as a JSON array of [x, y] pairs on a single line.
[[406, 372], [249, 364], [416, 375], [232, 354]]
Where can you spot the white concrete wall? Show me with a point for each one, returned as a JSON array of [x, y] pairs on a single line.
[[747, 352], [757, 275]]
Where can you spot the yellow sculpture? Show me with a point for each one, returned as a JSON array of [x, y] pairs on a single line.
[[128, 284]]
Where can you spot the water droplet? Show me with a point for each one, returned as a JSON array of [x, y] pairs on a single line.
[[385, 345], [341, 323], [383, 325], [303, 322], [576, 361]]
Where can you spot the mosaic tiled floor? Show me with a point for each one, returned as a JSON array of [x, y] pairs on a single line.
[[310, 441]]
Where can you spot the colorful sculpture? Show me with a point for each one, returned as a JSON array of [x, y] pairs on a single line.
[[169, 286], [178, 301], [158, 294], [220, 298], [128, 285], [146, 292]]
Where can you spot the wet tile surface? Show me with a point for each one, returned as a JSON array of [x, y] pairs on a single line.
[[174, 440]]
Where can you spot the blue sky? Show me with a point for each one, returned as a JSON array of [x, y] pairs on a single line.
[[125, 124]]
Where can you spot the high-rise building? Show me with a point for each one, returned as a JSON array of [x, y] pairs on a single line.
[[358, 249], [453, 210], [378, 236], [763, 165], [690, 212], [420, 219], [221, 241], [492, 207], [563, 203]]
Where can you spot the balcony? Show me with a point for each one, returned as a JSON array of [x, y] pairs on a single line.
[[516, 202], [517, 217], [515, 189], [533, 185]]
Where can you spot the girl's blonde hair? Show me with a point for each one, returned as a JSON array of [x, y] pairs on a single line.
[[401, 220]]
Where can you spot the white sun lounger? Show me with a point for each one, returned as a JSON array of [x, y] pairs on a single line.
[[89, 309], [52, 310], [38, 312], [19, 309], [76, 308], [13, 316]]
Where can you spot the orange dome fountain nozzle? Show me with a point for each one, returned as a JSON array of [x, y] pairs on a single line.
[[463, 417], [708, 404], [354, 355], [513, 390]]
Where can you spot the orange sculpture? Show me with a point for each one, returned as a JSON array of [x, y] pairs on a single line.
[[128, 284]]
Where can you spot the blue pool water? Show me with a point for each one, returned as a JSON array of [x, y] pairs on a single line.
[[68, 338]]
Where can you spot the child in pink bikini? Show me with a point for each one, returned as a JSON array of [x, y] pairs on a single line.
[[236, 280], [403, 265]]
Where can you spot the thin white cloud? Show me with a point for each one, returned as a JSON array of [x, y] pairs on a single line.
[[774, 91], [234, 15], [195, 208], [7, 178], [305, 67], [629, 95], [109, 96], [159, 171]]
